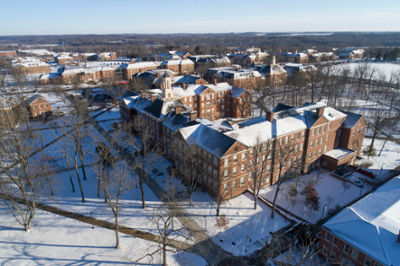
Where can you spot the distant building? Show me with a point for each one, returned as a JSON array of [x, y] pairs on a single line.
[[245, 78], [38, 106], [184, 66], [8, 54], [32, 65], [366, 233]]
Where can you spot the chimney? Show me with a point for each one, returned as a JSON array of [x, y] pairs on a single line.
[[193, 116], [178, 110], [158, 75], [144, 94], [215, 82], [398, 237], [86, 64], [153, 97], [132, 61], [184, 85], [319, 111], [269, 116]]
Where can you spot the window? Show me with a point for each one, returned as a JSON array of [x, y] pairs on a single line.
[[316, 142], [215, 173], [293, 137], [35, 107], [354, 132], [226, 161], [40, 106], [225, 187], [320, 151], [335, 241], [287, 139], [264, 146], [234, 183], [313, 132], [310, 155], [368, 261], [243, 156], [354, 253], [323, 129], [215, 161], [328, 236], [298, 135], [326, 146], [346, 248], [329, 125], [319, 130], [242, 180], [235, 159], [325, 250], [332, 255], [47, 106], [302, 134], [327, 136], [311, 144], [234, 171], [35, 113], [226, 173], [362, 129], [315, 153], [268, 167], [322, 140], [243, 168], [296, 149], [301, 146]]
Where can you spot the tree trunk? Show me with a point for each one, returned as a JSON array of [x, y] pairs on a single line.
[[116, 231], [82, 164], [165, 253], [383, 146], [274, 201], [70, 175], [80, 184], [142, 188], [255, 201], [191, 198]]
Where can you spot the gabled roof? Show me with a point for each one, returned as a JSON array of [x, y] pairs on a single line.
[[351, 119], [207, 138], [372, 224], [34, 98], [176, 121], [280, 107]]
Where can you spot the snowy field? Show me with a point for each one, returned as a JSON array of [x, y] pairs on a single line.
[[381, 68], [56, 240]]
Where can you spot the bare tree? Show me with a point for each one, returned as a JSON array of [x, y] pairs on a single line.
[[21, 186], [259, 159], [284, 164], [120, 181], [164, 218]]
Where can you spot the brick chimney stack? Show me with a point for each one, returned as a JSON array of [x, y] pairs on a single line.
[[178, 110], [144, 94], [132, 61], [269, 116], [215, 82], [319, 111], [184, 86], [153, 97], [193, 116]]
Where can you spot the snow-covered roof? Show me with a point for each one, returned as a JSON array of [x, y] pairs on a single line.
[[207, 138], [177, 62], [351, 119], [197, 89], [338, 153], [139, 65], [372, 224]]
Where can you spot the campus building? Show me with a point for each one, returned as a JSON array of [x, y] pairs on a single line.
[[366, 233], [184, 117]]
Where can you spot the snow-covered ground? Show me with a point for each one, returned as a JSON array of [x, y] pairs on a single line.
[[243, 219], [56, 240], [327, 187], [389, 159]]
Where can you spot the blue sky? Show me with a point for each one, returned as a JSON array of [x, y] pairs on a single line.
[[42, 17]]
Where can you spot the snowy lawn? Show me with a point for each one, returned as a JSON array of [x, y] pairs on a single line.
[[110, 114], [56, 240], [327, 186], [389, 159], [243, 219]]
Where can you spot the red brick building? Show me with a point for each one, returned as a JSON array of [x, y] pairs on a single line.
[[38, 106], [133, 68], [86, 74], [311, 131], [366, 233], [8, 54], [185, 66], [32, 66]]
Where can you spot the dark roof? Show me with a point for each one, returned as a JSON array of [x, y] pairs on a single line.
[[351, 119], [281, 107], [253, 121], [155, 108], [176, 121]]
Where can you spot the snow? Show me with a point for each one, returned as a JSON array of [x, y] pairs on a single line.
[[381, 68], [243, 219], [389, 159], [56, 240], [327, 187], [338, 153]]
